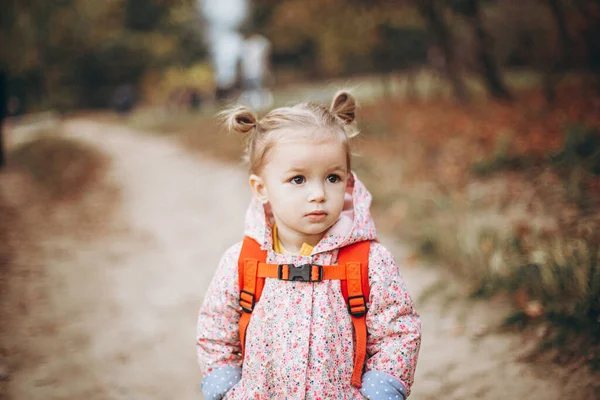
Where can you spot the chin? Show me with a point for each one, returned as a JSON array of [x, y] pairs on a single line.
[[317, 229]]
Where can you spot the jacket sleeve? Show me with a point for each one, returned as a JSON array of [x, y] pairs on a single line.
[[394, 327], [218, 340]]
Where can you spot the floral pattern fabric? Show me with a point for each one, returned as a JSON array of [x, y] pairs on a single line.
[[299, 343]]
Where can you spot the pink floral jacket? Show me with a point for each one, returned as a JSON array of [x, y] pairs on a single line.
[[299, 342]]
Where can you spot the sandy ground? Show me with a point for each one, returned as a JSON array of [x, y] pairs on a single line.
[[107, 308]]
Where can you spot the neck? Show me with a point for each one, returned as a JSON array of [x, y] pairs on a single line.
[[293, 241]]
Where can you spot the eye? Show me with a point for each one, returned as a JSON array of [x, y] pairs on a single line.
[[334, 178], [298, 180]]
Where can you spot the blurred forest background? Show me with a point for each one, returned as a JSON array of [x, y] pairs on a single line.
[[73, 54], [482, 147]]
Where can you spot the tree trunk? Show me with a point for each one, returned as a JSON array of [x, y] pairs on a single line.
[[3, 112], [558, 69], [490, 71], [441, 32], [590, 11]]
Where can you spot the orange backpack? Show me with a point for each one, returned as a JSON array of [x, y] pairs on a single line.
[[352, 270]]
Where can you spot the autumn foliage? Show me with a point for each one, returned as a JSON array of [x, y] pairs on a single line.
[[507, 195]]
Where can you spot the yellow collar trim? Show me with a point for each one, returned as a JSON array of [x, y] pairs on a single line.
[[305, 250]]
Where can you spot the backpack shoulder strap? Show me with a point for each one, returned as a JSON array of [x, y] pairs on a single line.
[[354, 259], [250, 285], [356, 290]]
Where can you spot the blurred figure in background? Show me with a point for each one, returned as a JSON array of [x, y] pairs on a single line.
[[227, 49], [224, 18], [437, 65], [124, 98], [187, 98], [256, 72]]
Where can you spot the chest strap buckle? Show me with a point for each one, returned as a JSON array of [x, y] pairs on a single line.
[[302, 273]]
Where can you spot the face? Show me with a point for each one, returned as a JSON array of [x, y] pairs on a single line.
[[304, 181]]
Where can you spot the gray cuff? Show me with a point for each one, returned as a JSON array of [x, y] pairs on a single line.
[[378, 385], [220, 381]]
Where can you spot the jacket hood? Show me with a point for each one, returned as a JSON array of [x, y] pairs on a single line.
[[354, 225]]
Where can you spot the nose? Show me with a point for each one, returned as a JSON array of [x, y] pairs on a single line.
[[317, 193]]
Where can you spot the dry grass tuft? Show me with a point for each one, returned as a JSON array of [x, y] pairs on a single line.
[[63, 168]]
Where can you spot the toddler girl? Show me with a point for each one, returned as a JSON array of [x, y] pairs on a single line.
[[309, 305]]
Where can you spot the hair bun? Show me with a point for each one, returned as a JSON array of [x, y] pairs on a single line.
[[239, 119], [344, 106]]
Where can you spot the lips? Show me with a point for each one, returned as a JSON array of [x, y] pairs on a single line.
[[317, 213], [316, 216]]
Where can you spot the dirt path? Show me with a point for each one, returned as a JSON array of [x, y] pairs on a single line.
[[117, 320]]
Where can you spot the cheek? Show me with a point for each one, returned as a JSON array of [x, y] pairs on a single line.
[[283, 196], [338, 194]]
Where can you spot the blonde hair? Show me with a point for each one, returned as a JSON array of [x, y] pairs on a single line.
[[337, 120]]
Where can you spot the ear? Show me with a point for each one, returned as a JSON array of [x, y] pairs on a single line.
[[350, 182], [257, 184]]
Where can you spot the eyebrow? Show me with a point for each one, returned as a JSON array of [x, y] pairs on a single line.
[[294, 170], [301, 170], [339, 168]]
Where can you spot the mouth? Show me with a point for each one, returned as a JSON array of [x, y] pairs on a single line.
[[316, 216]]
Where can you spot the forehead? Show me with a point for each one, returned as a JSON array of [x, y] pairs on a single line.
[[308, 152], [306, 134]]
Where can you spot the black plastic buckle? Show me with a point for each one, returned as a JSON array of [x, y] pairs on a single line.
[[253, 303], [362, 305], [301, 273]]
